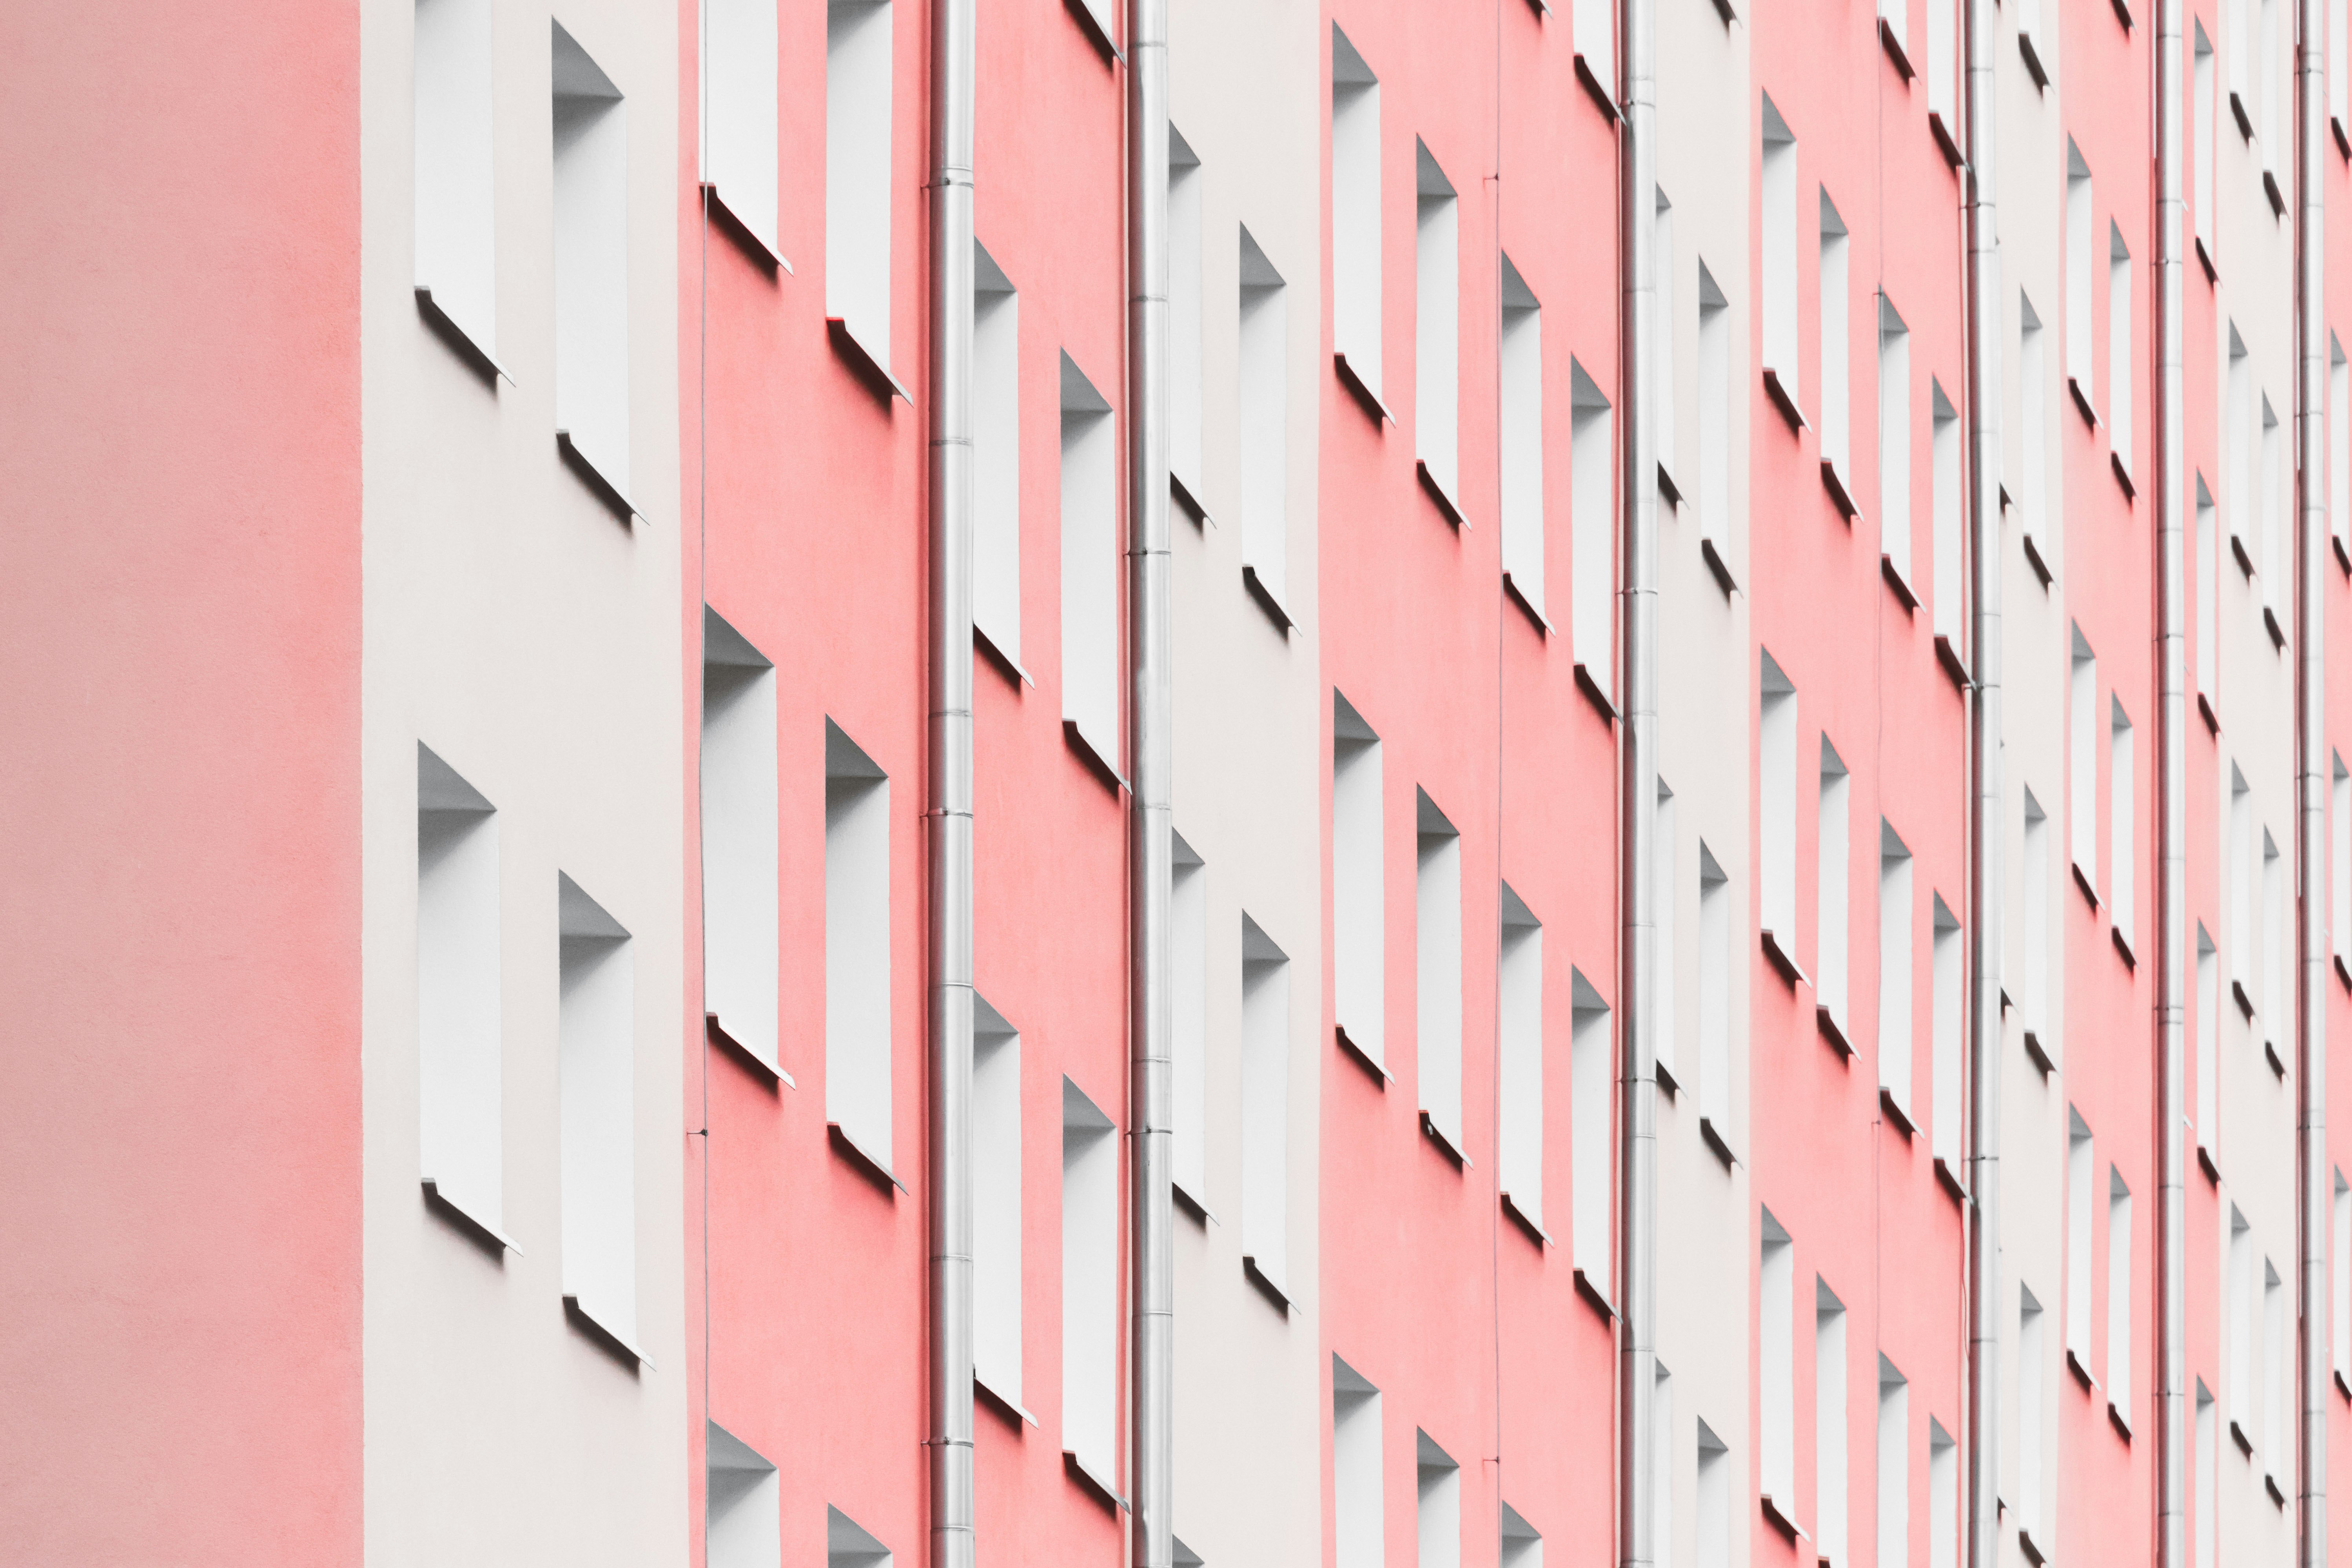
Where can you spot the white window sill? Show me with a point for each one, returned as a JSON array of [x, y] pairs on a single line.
[[1090, 1475], [1268, 600], [458, 1209], [1440, 492], [1529, 1221], [601, 1325], [470, 345], [1366, 392], [1186, 1198], [718, 1031], [996, 654], [596, 478], [1448, 1140], [1187, 494], [982, 1384], [861, 1157], [1271, 1288], [1364, 1059], [1100, 34], [762, 246], [862, 360], [1094, 753]]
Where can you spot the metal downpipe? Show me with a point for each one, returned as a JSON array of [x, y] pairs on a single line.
[[1150, 1091], [1986, 818], [2311, 782], [948, 812], [1637, 1181], [2172, 1413]]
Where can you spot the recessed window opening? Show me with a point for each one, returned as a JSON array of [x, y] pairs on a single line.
[[740, 934], [857, 183], [996, 457], [1357, 1524], [1520, 1134], [1355, 214], [1359, 961], [1437, 329], [1090, 1267], [1437, 948], [457, 204], [460, 1062], [1520, 435], [996, 1203], [1265, 1106], [742, 1504], [1589, 1070], [596, 1060], [1090, 569], [739, 114], [856, 947], [591, 267], [1592, 453], [1261, 410]]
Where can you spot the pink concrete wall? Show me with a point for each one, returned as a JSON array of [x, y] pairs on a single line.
[[1859, 1197], [179, 942], [815, 548], [1479, 708]]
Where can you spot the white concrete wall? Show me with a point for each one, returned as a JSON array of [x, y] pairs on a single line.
[[1706, 685], [1251, 712], [533, 640]]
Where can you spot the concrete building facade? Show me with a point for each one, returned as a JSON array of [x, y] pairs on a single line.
[[476, 784]]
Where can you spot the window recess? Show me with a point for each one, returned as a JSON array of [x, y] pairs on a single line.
[[1521, 438], [857, 1041], [1437, 332], [1358, 1507], [596, 1062], [1520, 1136], [996, 461], [2080, 1165], [1359, 956], [1829, 1424], [738, 119], [1265, 1112], [1776, 1378], [1438, 968], [1894, 965], [742, 1503], [1714, 429], [1262, 408], [1837, 434], [1184, 318], [1588, 1073], [1090, 568], [1090, 1321], [1356, 223], [1187, 1006], [1777, 802], [857, 186], [1895, 451], [460, 1098], [1832, 957], [739, 935], [847, 1543], [1591, 454], [2034, 1012], [996, 1206], [457, 202], [592, 273], [2079, 265], [1780, 263], [1439, 1505]]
